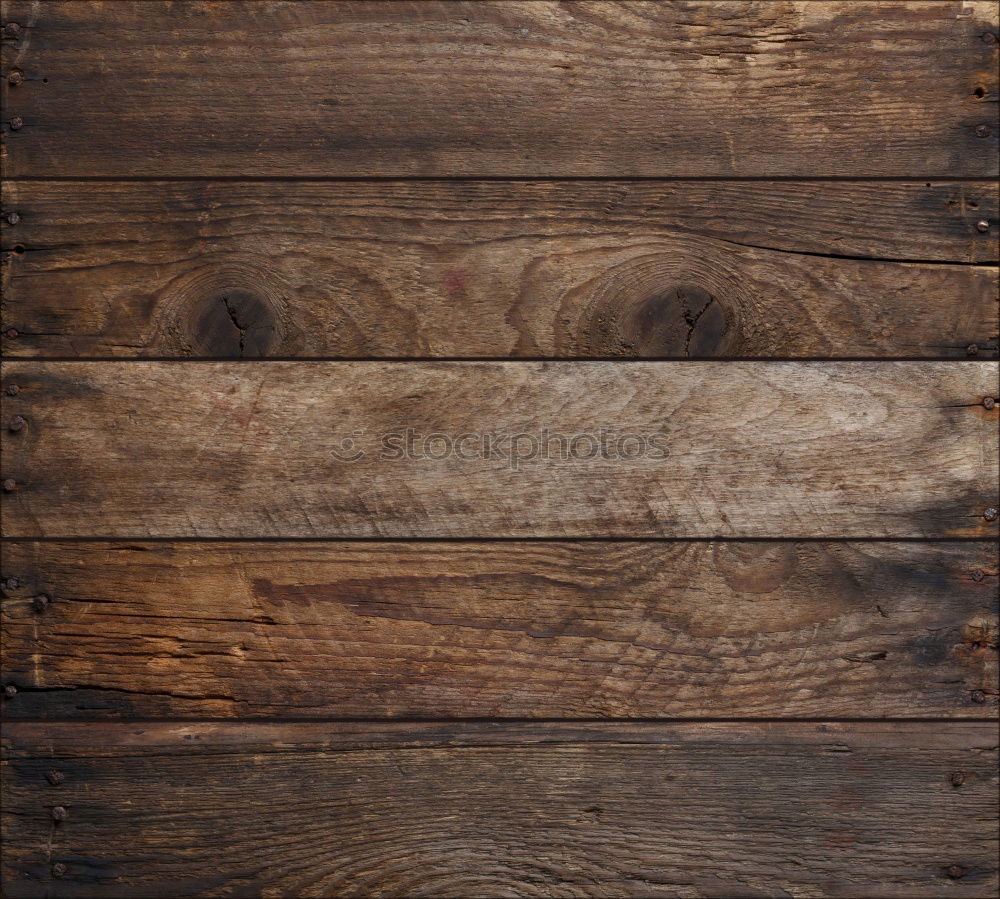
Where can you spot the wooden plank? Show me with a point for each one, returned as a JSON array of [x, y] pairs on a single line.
[[361, 449], [487, 269], [847, 810], [501, 629], [513, 89]]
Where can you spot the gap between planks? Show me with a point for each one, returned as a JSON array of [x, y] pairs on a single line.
[[489, 539], [512, 360], [499, 721], [512, 179]]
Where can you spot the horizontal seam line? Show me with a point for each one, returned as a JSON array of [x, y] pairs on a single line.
[[443, 179], [236, 722], [512, 360], [494, 539]]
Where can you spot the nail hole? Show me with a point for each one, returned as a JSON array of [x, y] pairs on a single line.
[[18, 249], [980, 92], [45, 81], [972, 204]]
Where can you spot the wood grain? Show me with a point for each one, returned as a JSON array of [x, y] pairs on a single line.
[[487, 269], [310, 89], [458, 630], [604, 449], [792, 809], [300, 670]]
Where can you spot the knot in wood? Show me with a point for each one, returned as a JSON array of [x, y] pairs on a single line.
[[649, 321], [225, 311]]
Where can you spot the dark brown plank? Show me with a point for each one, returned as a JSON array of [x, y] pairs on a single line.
[[466, 269], [501, 629], [848, 810], [604, 449], [542, 88]]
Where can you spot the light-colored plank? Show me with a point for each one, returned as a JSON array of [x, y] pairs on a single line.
[[457, 630], [466, 269], [502, 88], [360, 449], [793, 809]]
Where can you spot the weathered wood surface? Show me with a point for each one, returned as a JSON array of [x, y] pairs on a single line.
[[722, 810], [536, 89], [465, 269], [501, 629], [742, 449]]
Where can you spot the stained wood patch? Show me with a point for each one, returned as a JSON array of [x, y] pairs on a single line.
[[459, 269], [349, 810], [537, 89], [357, 449], [501, 629]]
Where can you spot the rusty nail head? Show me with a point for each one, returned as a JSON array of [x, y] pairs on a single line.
[[10, 485], [957, 779], [13, 218], [15, 77], [989, 402], [13, 390], [982, 226], [972, 349], [55, 778], [956, 871], [17, 122], [12, 28], [977, 575], [978, 696], [40, 603], [11, 333], [989, 37], [59, 869], [991, 514], [10, 691], [983, 130], [11, 583], [59, 813], [17, 423]]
